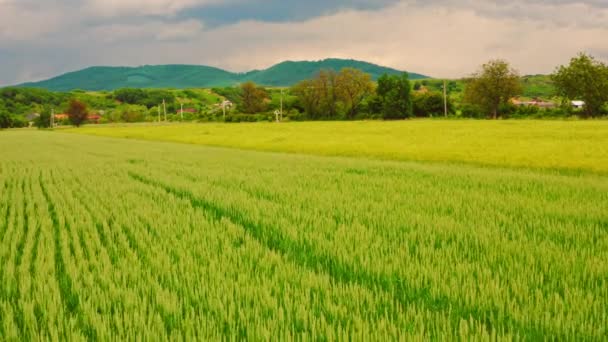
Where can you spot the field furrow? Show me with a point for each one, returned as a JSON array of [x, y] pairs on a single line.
[[132, 242], [24, 228], [7, 199], [307, 256], [34, 248], [69, 297], [110, 239]]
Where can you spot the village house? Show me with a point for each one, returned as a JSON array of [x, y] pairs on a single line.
[[188, 110], [31, 118], [93, 118], [578, 104], [536, 102]]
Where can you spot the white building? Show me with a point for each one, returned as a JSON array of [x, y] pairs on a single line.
[[578, 104]]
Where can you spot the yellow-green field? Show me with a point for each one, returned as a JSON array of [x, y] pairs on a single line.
[[570, 145], [111, 239], [463, 231]]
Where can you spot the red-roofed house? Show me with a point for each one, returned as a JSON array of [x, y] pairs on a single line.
[[94, 118], [188, 110]]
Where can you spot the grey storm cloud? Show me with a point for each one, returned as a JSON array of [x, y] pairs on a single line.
[[444, 38]]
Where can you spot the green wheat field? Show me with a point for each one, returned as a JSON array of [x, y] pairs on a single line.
[[497, 236]]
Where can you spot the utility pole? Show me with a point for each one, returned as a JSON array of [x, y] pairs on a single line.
[[182, 111], [281, 104], [445, 98], [165, 109], [158, 107], [224, 109], [53, 118]]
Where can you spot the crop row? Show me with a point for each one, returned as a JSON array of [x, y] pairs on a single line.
[[118, 240]]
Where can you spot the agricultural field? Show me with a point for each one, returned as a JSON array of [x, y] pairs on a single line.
[[113, 239], [541, 144]]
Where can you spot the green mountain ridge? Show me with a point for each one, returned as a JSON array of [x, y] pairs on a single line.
[[198, 76]]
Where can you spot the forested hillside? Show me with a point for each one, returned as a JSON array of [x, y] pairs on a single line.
[[195, 76]]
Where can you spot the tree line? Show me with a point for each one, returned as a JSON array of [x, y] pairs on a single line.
[[491, 89], [488, 93], [347, 94]]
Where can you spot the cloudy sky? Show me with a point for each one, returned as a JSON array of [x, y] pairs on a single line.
[[441, 38]]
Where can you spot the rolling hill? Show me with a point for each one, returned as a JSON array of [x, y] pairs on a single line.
[[288, 73], [195, 76]]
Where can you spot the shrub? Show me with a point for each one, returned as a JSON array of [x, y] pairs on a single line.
[[44, 120], [471, 111], [249, 117], [395, 94], [429, 104], [604, 109], [5, 120]]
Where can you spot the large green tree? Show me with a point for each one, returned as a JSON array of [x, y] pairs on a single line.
[[326, 83], [352, 87], [308, 97], [156, 96], [395, 95], [318, 96], [130, 113], [430, 103], [5, 119], [44, 120], [253, 98], [493, 86], [149, 98], [585, 79], [130, 95]]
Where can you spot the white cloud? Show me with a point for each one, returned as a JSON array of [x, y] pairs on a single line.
[[444, 42], [142, 7], [22, 23], [149, 30], [448, 39], [181, 30]]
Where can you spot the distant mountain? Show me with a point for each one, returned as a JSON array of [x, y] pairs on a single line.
[[195, 76], [149, 76], [289, 73]]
